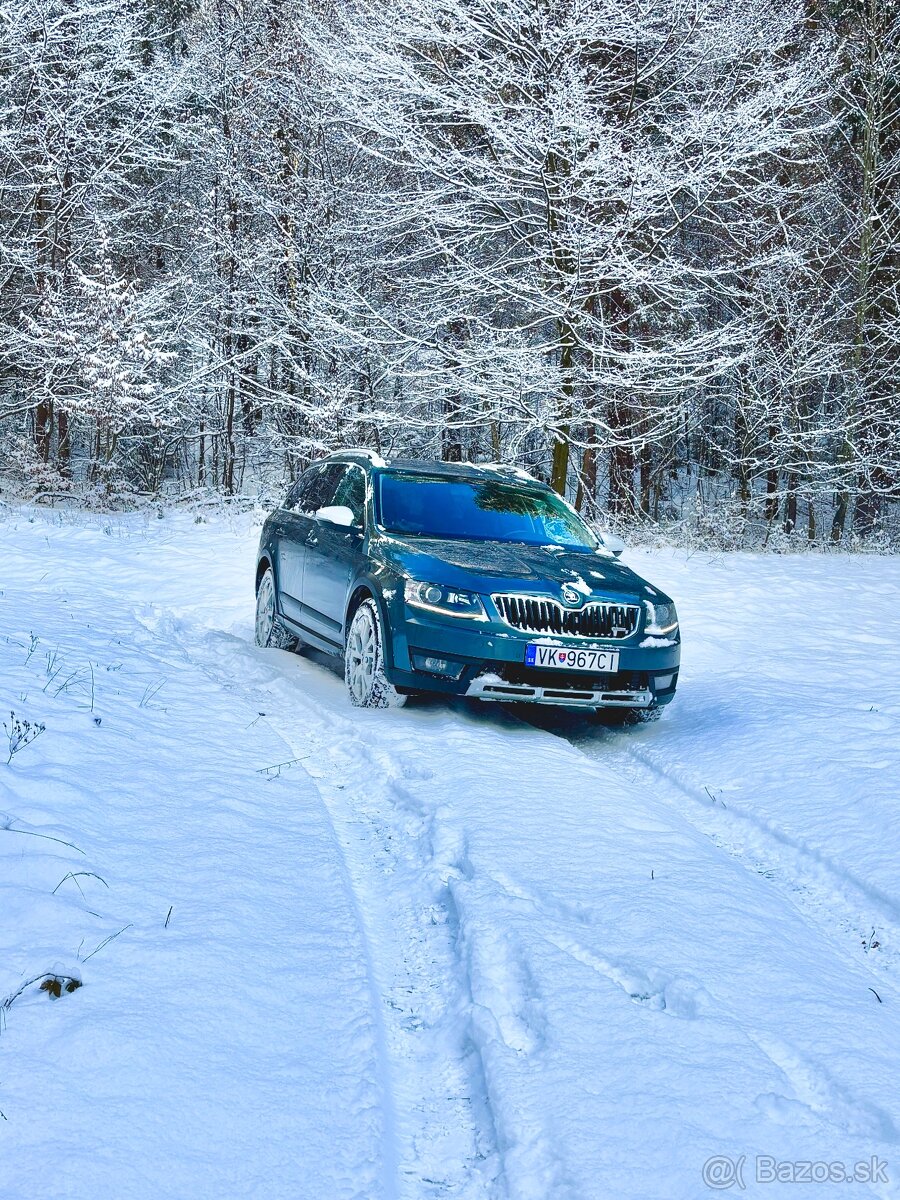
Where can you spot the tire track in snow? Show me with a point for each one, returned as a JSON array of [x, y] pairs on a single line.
[[827, 899], [169, 631], [400, 871], [449, 1142], [842, 908]]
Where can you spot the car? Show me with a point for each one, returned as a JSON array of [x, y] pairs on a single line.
[[463, 579]]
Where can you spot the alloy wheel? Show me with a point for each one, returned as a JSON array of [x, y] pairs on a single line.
[[362, 647], [265, 610]]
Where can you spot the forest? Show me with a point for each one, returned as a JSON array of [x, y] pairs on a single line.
[[648, 250]]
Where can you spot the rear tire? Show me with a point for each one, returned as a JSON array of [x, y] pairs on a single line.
[[269, 629], [364, 675]]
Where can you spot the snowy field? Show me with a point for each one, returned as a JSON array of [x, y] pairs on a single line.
[[451, 951]]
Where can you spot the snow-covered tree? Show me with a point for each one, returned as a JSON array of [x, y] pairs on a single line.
[[557, 184], [648, 251], [87, 146], [868, 95]]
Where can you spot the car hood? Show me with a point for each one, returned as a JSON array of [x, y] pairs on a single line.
[[488, 567]]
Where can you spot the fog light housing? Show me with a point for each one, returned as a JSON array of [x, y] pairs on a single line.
[[663, 682], [434, 664]]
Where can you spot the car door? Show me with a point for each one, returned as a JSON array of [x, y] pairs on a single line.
[[291, 531], [334, 554]]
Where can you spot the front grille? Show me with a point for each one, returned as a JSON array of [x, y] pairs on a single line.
[[535, 614]]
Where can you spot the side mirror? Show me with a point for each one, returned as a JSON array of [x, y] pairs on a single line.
[[337, 514], [611, 542]]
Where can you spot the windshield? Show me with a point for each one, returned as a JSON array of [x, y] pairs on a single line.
[[485, 512]]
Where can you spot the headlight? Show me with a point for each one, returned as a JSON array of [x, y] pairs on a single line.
[[447, 600], [661, 618]]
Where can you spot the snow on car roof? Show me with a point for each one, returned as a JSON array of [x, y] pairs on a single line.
[[437, 466], [460, 470]]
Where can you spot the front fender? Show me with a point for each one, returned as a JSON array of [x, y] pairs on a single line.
[[266, 553], [386, 588]]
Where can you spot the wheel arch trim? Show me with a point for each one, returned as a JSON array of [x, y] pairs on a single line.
[[265, 562], [366, 587]]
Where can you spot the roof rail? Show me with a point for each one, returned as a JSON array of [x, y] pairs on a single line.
[[358, 452], [506, 469]]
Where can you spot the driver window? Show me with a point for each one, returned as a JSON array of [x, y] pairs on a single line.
[[317, 491], [296, 497], [351, 492]]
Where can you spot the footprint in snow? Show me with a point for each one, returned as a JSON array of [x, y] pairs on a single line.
[[653, 988], [819, 1097]]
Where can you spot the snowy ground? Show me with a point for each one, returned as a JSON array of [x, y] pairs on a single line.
[[452, 951]]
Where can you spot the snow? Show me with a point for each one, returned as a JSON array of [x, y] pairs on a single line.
[[454, 950], [505, 468], [375, 459], [579, 584]]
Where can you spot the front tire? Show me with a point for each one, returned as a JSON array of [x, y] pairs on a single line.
[[269, 629], [364, 675], [620, 718]]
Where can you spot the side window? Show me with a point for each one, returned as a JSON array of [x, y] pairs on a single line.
[[322, 490], [300, 488], [351, 492], [314, 488]]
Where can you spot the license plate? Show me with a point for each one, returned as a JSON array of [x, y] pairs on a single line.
[[562, 658]]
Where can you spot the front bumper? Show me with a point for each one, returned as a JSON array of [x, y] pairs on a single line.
[[487, 661], [491, 687]]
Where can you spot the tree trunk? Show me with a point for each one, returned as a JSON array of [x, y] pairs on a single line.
[[201, 456], [621, 465], [451, 440], [839, 520], [43, 428], [559, 469], [586, 496], [790, 505], [771, 508], [228, 450], [645, 463], [63, 443]]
